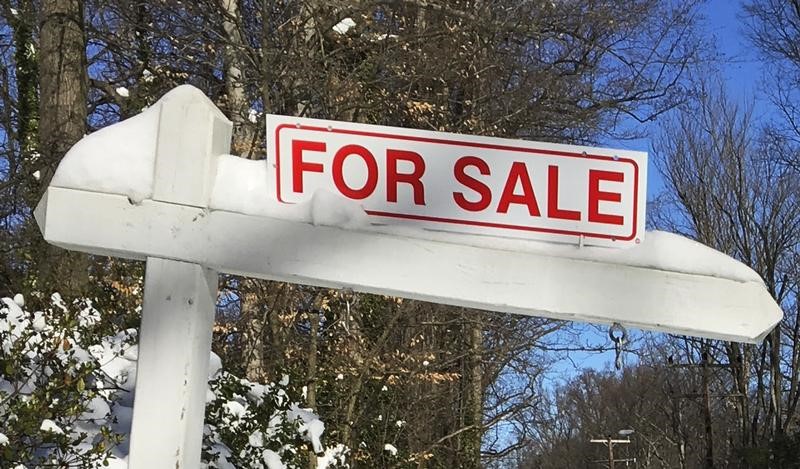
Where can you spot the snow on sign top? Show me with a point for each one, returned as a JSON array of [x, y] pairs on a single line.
[[464, 184]]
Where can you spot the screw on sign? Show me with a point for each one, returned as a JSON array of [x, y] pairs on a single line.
[[190, 222]]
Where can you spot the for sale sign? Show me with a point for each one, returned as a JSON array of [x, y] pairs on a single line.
[[461, 183]]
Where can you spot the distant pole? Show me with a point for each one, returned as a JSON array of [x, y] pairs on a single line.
[[610, 442], [709, 429], [610, 453], [706, 367]]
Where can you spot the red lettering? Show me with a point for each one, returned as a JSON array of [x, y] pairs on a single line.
[[472, 183], [596, 196], [518, 173], [372, 172], [299, 166], [393, 178], [552, 198]]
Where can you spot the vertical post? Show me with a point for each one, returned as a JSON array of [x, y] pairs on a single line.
[[179, 297], [610, 453], [174, 346]]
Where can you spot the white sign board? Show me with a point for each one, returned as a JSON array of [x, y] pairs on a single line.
[[461, 183]]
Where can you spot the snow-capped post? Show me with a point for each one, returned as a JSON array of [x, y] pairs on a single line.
[[179, 297]]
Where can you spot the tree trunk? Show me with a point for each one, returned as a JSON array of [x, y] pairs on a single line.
[[63, 85], [27, 73], [23, 171], [62, 110], [707, 422], [737, 357], [472, 439], [236, 98], [311, 386], [238, 109], [776, 381], [473, 412], [253, 350]]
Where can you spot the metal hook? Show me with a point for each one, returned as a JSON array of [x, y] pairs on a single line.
[[619, 342]]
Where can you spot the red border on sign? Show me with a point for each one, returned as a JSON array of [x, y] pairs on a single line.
[[489, 146]]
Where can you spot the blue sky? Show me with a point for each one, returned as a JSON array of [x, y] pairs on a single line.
[[739, 67], [741, 70]]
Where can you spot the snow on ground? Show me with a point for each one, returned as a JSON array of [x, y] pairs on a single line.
[[120, 159]]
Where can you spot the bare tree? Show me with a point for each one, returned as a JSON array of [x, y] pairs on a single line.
[[62, 109], [728, 186], [774, 28]]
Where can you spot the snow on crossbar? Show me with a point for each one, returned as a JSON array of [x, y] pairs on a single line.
[[717, 300]]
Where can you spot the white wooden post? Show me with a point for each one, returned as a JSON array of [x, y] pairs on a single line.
[[179, 297]]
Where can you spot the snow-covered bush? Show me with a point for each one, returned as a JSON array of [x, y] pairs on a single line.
[[55, 397], [256, 426], [66, 399]]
